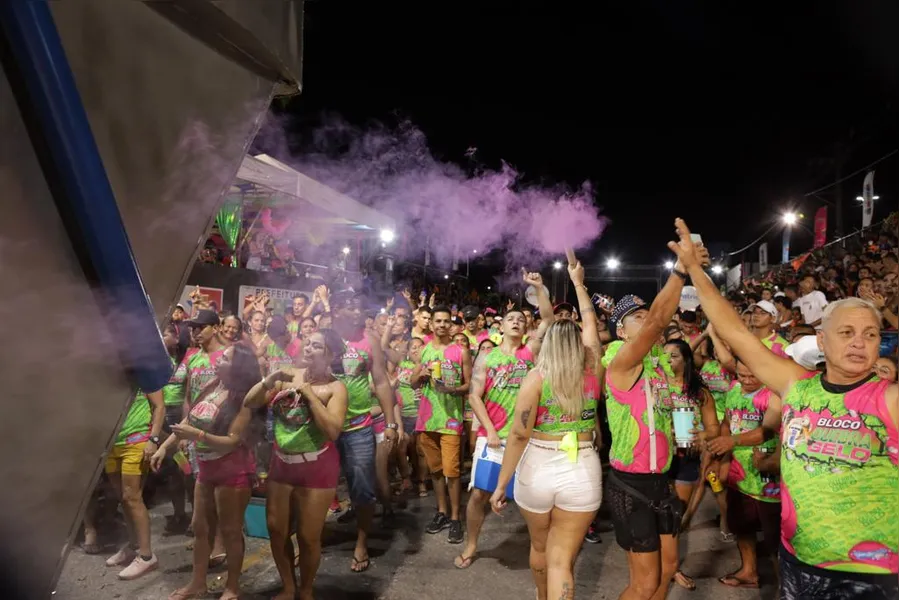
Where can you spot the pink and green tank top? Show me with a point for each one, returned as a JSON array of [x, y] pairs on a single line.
[[719, 381], [407, 395], [504, 376], [173, 391], [136, 428], [840, 476], [776, 344], [198, 369], [641, 445], [744, 412], [474, 341], [553, 421], [356, 368], [295, 431], [276, 358], [438, 412], [206, 415]]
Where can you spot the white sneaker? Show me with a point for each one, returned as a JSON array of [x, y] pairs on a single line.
[[124, 556], [139, 567]]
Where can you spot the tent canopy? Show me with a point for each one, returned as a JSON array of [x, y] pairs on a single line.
[[278, 185]]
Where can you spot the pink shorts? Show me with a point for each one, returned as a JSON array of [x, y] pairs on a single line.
[[318, 471], [236, 469]]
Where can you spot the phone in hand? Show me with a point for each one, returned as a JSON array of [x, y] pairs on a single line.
[[696, 238], [601, 302]]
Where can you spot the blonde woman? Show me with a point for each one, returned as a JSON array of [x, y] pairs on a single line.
[[558, 480]]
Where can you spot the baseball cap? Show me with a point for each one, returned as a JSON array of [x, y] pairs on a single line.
[[563, 306], [766, 306], [204, 318], [627, 305], [470, 313], [806, 352]]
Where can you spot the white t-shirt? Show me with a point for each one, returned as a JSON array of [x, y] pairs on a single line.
[[812, 306]]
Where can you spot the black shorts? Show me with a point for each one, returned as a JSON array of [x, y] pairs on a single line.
[[637, 525], [746, 516], [684, 468]]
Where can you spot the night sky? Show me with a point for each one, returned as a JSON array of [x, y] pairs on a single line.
[[723, 113]]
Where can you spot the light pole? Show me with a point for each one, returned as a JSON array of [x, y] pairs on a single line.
[[789, 220], [557, 266]]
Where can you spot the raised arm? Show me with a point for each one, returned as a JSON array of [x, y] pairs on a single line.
[[624, 368], [777, 373], [590, 324], [546, 311]]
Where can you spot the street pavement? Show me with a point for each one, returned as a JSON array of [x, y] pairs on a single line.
[[408, 564]]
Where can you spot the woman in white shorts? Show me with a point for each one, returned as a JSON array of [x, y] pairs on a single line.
[[558, 481]]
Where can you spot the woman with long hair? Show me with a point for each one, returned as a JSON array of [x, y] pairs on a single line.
[[558, 480], [222, 490], [689, 394], [309, 408]]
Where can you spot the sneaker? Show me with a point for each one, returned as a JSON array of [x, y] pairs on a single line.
[[139, 567], [455, 532], [438, 523], [124, 556], [592, 536]]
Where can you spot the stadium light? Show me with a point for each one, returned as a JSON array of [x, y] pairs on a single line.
[[387, 236], [613, 263]]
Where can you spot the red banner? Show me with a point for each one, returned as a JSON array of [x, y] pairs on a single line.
[[821, 227]]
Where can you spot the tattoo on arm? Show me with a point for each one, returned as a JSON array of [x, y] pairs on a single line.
[[567, 593], [525, 416]]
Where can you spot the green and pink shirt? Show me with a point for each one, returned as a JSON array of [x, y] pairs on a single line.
[[553, 421], [744, 412], [441, 412], [504, 374], [357, 361]]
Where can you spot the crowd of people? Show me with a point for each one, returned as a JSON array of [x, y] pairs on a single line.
[[780, 400]]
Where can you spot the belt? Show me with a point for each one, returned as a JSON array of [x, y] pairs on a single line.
[[300, 457]]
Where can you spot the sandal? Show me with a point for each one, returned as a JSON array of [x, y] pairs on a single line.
[[727, 537], [94, 548], [463, 562], [183, 594], [735, 582], [684, 580], [360, 566], [217, 560]]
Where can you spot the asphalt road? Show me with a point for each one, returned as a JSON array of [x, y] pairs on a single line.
[[408, 564]]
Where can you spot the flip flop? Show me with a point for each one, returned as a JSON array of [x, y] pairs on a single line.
[[217, 560], [727, 537], [735, 582], [360, 566], [463, 562], [180, 595], [684, 580]]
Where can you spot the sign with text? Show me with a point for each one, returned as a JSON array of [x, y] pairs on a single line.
[[279, 300], [763, 257]]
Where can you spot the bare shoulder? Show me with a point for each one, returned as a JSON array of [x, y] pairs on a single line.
[[892, 395]]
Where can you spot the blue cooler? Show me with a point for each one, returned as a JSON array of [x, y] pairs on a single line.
[[254, 519], [489, 463]]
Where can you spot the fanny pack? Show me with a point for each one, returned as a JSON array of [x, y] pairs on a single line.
[[670, 507]]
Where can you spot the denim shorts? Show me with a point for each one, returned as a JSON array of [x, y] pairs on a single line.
[[357, 459]]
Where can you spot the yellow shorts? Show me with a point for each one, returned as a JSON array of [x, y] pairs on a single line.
[[127, 459]]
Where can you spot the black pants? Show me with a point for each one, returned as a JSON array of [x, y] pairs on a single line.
[[805, 582]]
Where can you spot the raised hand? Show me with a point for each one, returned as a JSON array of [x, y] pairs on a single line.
[[684, 248], [576, 273], [534, 279]]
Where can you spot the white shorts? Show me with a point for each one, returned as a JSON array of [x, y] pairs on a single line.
[[545, 479]]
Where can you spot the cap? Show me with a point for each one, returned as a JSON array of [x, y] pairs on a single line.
[[181, 306], [563, 306], [806, 352], [205, 318], [470, 313], [766, 306], [626, 306]]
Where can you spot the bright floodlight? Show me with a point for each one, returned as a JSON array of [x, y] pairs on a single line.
[[612, 263], [446, 276], [669, 265], [387, 236], [488, 288], [717, 269], [557, 265], [790, 218], [346, 249], [474, 251]]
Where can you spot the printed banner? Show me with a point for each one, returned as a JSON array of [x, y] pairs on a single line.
[[868, 199], [689, 299], [279, 301], [734, 277], [785, 249], [821, 227], [214, 296], [763, 257]]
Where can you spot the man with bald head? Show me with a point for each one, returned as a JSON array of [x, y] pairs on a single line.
[[838, 450]]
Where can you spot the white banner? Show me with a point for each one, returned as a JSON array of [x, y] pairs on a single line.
[[280, 301], [868, 199], [763, 257], [734, 278]]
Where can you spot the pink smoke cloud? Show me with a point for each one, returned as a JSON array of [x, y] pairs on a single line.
[[457, 209]]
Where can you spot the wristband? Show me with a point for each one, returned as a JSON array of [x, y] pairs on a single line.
[[683, 276], [393, 426]]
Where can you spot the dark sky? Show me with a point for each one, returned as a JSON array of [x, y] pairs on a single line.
[[723, 113]]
